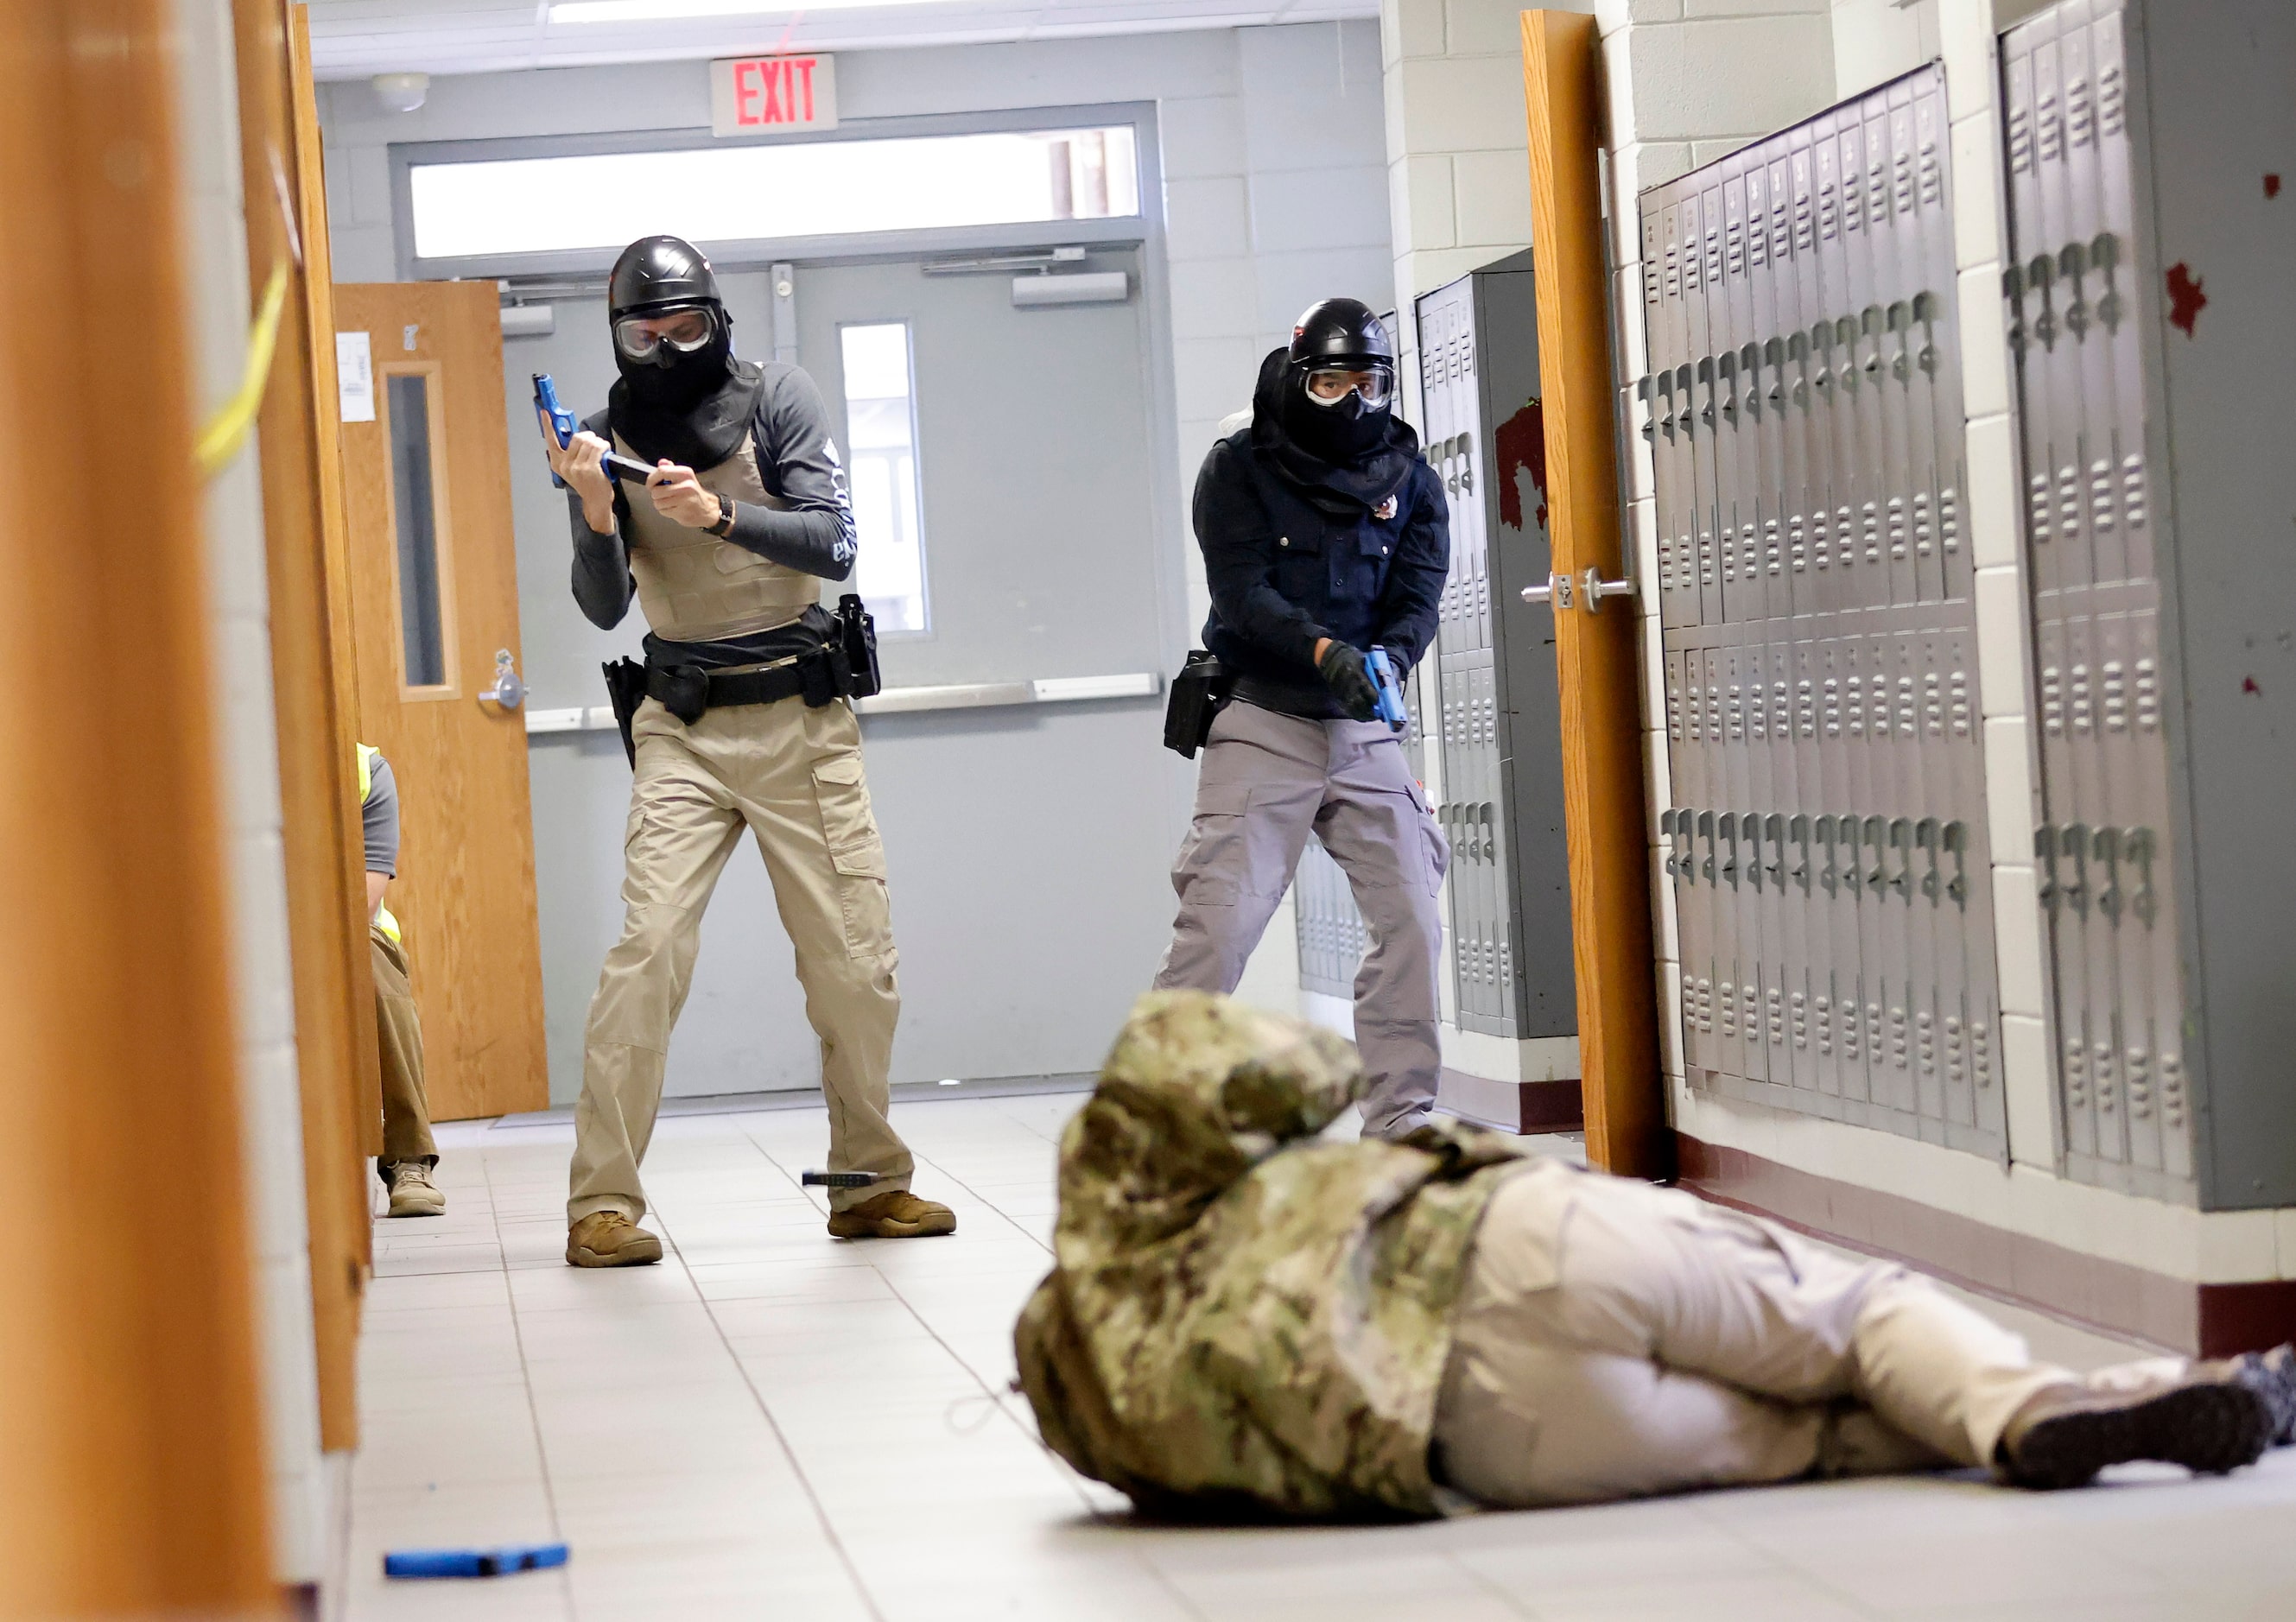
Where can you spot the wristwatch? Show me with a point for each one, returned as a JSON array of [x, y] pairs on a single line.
[[724, 526]]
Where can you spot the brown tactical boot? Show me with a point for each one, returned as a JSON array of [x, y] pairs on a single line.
[[413, 1193], [608, 1239], [894, 1213], [2206, 1419]]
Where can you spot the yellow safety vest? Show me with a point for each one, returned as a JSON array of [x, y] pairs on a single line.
[[383, 920]]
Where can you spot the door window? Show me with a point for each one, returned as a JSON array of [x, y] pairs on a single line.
[[418, 528], [881, 425]]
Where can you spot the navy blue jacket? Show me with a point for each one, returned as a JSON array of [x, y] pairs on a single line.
[[1285, 572]]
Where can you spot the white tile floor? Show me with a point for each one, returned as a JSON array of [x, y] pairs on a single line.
[[773, 1424]]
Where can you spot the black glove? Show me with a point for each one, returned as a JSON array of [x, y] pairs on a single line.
[[1342, 670]]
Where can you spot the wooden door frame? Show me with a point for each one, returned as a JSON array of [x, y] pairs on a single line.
[[1605, 815], [132, 1406], [314, 700]]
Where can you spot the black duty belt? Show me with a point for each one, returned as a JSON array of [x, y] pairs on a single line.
[[688, 692]]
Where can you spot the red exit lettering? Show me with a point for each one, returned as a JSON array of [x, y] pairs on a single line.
[[770, 90]]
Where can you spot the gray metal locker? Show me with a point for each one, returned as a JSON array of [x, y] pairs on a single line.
[[1827, 844], [2149, 306], [1493, 678]]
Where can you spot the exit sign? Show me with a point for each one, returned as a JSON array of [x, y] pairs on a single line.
[[766, 96]]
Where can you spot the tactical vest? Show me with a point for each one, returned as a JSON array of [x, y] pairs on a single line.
[[695, 588]]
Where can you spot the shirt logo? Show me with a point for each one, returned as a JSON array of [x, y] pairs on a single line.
[[1385, 509]]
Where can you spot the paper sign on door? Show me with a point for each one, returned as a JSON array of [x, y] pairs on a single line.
[[355, 376]]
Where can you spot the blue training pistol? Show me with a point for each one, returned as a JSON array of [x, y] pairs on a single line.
[[558, 423], [1382, 671], [473, 1562]]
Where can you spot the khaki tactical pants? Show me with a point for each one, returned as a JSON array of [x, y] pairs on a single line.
[[1615, 1339], [792, 777], [398, 1033], [1267, 780]]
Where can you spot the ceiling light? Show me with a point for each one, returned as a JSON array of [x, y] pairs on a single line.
[[663, 11]]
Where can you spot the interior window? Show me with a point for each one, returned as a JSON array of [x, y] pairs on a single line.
[[881, 420], [421, 618], [773, 191]]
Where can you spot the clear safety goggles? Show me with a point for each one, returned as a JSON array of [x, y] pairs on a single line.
[[1329, 385], [641, 337]]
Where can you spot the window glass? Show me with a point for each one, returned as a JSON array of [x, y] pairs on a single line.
[[881, 420], [797, 189], [421, 627]]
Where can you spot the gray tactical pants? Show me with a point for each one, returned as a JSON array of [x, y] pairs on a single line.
[[1267, 781]]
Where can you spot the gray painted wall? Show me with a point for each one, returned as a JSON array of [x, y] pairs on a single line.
[[1275, 195]]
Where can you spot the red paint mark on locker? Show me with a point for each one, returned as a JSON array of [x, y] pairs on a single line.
[[2248, 684], [1521, 446], [2272, 185], [2186, 299]]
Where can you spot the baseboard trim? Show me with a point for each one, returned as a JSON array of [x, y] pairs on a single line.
[[2176, 1314], [1512, 1106]]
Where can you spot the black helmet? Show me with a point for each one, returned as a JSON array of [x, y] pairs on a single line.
[[659, 278], [1342, 332], [656, 274]]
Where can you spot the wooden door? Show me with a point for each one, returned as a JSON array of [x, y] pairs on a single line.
[[1605, 822], [434, 606]]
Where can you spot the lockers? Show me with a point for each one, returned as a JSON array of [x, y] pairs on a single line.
[[1330, 931], [1826, 840], [2149, 310], [1491, 682]]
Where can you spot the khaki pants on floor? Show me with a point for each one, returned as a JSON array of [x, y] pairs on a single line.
[[1615, 1339], [398, 1032], [792, 777], [1267, 782]]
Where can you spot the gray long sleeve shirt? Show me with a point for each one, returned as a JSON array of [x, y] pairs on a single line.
[[798, 461]]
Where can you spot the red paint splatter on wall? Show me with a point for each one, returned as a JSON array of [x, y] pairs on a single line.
[[1521, 448], [2272, 185], [2186, 299], [2248, 684]]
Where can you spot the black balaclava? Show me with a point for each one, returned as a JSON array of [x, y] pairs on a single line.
[[693, 408], [1342, 457]]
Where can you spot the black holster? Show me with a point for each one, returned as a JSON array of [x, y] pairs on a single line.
[[626, 689], [857, 638], [1199, 692]]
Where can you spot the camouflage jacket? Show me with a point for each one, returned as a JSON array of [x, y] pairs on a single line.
[[1236, 1316]]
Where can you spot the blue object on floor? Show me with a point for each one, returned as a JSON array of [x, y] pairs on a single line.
[[473, 1562]]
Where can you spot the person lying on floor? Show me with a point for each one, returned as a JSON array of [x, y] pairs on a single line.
[[1244, 1320]]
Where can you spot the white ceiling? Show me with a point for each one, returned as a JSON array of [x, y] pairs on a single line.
[[353, 38]]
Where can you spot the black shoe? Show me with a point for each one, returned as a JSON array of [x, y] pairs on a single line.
[[2272, 1375], [2209, 1419]]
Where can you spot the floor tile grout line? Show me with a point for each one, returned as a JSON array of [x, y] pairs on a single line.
[[526, 1381], [1779, 1562], [781, 1438], [1514, 1604]]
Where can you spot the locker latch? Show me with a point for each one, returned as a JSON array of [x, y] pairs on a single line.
[[2104, 844], [1726, 385], [1878, 880], [2072, 848], [1901, 839], [2045, 856], [1706, 833], [1925, 840], [2104, 257], [2136, 844], [2073, 262], [1774, 831], [1829, 878], [1957, 846], [1726, 827], [1797, 831]]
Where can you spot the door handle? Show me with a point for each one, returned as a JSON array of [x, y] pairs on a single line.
[[1585, 590], [508, 690]]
